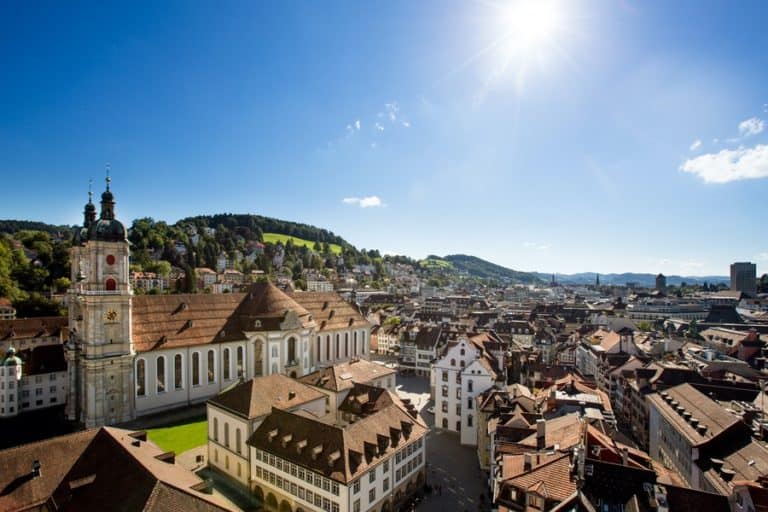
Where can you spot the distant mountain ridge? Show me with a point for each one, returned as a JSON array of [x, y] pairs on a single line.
[[641, 279]]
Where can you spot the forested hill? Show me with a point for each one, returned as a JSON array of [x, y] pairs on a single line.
[[257, 223], [11, 226], [478, 267]]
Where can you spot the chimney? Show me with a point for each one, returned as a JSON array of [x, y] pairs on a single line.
[[36, 469], [625, 456], [541, 434], [527, 464], [291, 395]]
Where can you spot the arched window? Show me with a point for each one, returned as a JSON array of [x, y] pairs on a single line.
[[238, 441], [226, 364], [362, 338], [215, 429], [141, 376], [338, 354], [463, 351], [469, 385], [354, 341], [160, 374], [462, 363], [319, 342], [453, 362], [328, 348], [177, 369], [274, 350], [110, 285], [226, 434], [346, 345], [211, 367], [240, 359], [195, 368], [291, 350], [445, 422]]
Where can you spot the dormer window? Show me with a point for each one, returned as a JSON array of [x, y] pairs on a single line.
[[257, 324]]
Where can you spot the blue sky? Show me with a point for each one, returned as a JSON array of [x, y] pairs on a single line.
[[629, 136]]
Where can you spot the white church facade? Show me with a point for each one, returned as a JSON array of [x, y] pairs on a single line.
[[133, 355]]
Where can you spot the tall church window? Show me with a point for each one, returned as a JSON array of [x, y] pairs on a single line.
[[346, 345], [238, 440], [240, 359], [328, 347], [291, 350], [362, 338], [274, 350], [110, 285], [226, 364], [177, 369], [226, 434], [319, 342], [215, 429], [338, 354], [160, 367], [211, 367], [195, 368], [141, 376]]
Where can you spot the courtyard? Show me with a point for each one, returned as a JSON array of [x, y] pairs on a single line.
[[452, 469]]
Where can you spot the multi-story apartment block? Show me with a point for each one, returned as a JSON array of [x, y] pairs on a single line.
[[236, 413], [463, 372], [744, 277], [369, 455]]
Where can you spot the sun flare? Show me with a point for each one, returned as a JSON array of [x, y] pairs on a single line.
[[532, 22]]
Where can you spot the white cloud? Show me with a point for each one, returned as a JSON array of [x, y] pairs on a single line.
[[730, 165], [696, 145], [364, 202], [379, 127], [537, 246], [406, 124], [751, 126], [357, 124], [392, 110]]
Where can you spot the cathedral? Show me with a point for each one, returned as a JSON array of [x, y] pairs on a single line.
[[133, 355]]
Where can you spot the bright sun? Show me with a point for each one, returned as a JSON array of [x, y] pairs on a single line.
[[532, 22]]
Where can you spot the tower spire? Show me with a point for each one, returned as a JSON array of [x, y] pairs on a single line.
[[109, 180]]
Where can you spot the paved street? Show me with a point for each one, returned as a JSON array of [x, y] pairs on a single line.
[[450, 465]]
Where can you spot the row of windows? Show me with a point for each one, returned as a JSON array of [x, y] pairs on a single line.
[[409, 450], [328, 353], [296, 490], [412, 464], [299, 472], [238, 435], [178, 370]]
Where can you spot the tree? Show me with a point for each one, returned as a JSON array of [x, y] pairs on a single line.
[[644, 326], [62, 284]]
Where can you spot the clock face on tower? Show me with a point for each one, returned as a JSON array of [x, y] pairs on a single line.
[[111, 316]]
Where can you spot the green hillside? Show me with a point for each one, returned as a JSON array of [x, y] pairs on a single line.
[[273, 238], [478, 267]]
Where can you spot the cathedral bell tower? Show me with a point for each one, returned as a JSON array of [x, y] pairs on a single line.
[[100, 353]]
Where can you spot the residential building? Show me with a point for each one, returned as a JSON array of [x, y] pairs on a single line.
[[335, 382], [235, 414], [418, 348], [369, 455], [7, 311]]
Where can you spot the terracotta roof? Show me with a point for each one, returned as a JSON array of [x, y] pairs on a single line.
[[330, 311], [256, 397], [33, 327], [164, 321], [564, 431], [341, 451], [709, 413], [551, 480], [77, 472], [344, 375], [43, 359]]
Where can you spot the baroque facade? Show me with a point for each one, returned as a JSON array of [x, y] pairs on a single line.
[[132, 355]]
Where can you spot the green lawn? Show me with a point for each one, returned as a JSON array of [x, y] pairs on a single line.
[[273, 238], [180, 438], [432, 263]]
